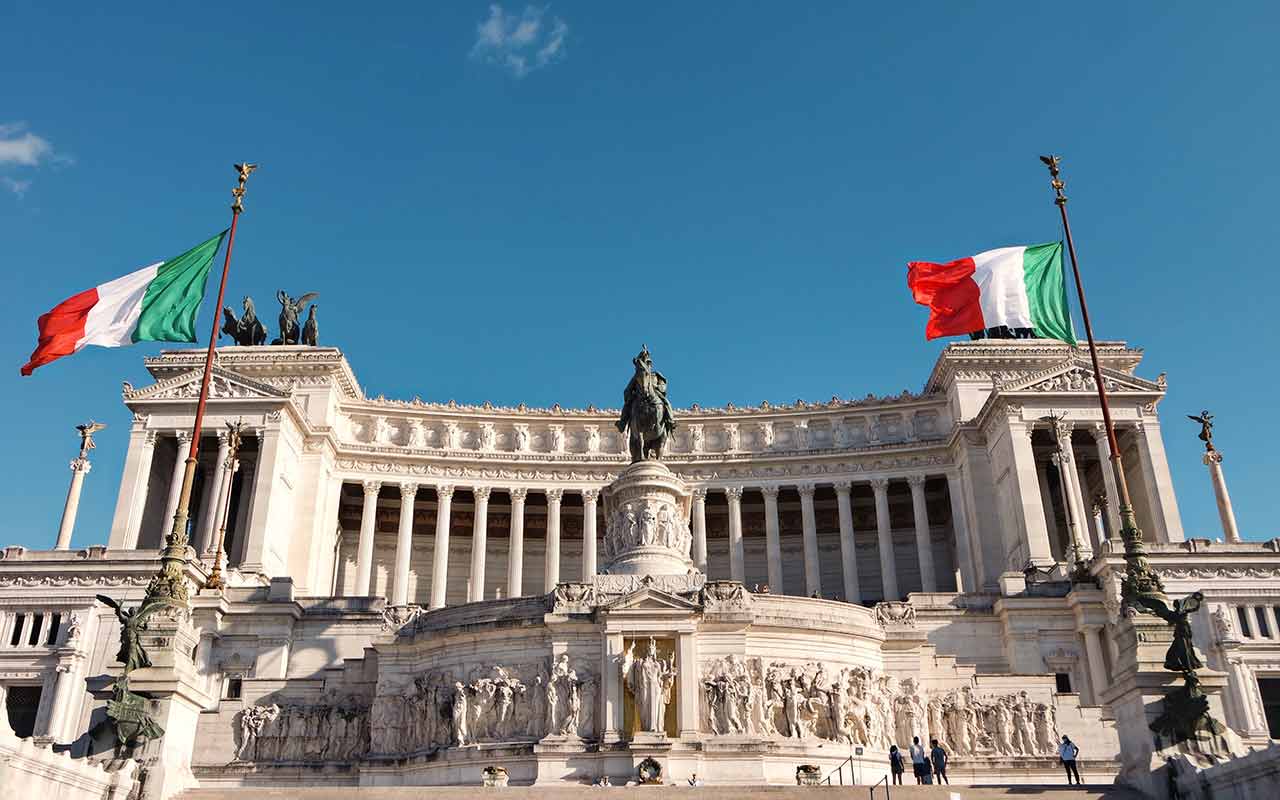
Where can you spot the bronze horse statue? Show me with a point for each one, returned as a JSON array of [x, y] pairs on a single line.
[[646, 412]]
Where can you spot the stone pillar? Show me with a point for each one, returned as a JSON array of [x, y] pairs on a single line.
[[590, 497], [773, 540], [211, 505], [404, 545], [884, 529], [736, 570], [515, 554], [1093, 644], [79, 468], [1072, 495], [132, 499], [1028, 499], [924, 541], [479, 542], [175, 483], [368, 529], [1112, 509], [612, 709], [848, 548], [969, 575], [687, 716], [1213, 460], [812, 567], [1046, 494], [440, 562], [265, 499], [66, 699], [1155, 468], [699, 525], [551, 569], [1068, 506]]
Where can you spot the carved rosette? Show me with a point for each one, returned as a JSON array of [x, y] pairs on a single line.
[[647, 522]]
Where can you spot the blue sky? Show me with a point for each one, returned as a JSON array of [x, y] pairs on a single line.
[[501, 205]]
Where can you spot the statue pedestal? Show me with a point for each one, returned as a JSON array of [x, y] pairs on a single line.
[[177, 697], [1137, 698], [647, 522]]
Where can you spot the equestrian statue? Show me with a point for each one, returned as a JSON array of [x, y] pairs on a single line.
[[248, 330], [646, 412]]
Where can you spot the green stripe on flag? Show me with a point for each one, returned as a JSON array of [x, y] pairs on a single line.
[[173, 297], [1047, 292]]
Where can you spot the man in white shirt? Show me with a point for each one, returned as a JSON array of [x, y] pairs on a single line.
[[917, 759], [1068, 751]]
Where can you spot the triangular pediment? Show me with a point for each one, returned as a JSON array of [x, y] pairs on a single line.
[[648, 598], [1076, 376], [223, 385]]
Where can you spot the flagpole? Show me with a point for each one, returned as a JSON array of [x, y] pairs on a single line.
[[1140, 580], [170, 584]]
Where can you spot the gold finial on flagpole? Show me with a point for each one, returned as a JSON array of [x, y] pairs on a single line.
[[238, 192]]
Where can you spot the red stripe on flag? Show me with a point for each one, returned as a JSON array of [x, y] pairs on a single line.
[[951, 295], [61, 328]]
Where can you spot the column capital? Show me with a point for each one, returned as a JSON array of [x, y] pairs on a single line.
[[734, 493], [408, 490], [80, 465], [806, 489], [518, 494], [481, 492], [1098, 430], [879, 484], [916, 481], [149, 440], [843, 487], [444, 491], [1212, 457], [224, 437], [590, 496], [182, 436], [372, 487], [554, 496], [700, 493], [770, 491]]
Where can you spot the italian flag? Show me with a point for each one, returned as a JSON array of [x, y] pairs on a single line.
[[158, 303], [1020, 287]]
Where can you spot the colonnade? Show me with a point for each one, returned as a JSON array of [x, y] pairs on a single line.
[[398, 588]]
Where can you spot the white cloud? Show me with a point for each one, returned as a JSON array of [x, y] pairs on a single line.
[[22, 147], [16, 186], [520, 43]]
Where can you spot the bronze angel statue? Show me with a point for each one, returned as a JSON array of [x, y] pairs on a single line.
[[290, 311], [1182, 655], [248, 330], [87, 430], [1206, 427], [132, 622]]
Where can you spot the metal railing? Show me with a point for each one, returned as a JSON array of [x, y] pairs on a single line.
[[885, 781], [839, 772]]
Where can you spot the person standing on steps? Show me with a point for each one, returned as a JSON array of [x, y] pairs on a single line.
[[895, 764], [917, 760], [1068, 751], [939, 758]]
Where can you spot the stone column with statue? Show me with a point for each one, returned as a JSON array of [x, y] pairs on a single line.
[[80, 467], [1213, 460]]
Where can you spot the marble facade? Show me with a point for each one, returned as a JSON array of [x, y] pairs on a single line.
[[420, 590]]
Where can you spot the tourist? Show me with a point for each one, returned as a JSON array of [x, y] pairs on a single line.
[[895, 764], [939, 758], [694, 780], [917, 760], [1068, 752]]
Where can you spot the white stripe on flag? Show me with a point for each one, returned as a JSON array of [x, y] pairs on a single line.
[[114, 317], [1002, 287]]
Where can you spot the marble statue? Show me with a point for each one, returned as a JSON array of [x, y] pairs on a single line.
[[649, 679], [248, 330], [646, 411]]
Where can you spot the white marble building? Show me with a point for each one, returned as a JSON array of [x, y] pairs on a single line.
[[415, 588]]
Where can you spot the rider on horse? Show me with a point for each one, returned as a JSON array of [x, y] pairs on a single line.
[[646, 412]]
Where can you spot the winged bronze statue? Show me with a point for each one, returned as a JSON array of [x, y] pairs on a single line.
[[290, 310], [1206, 427], [87, 430], [132, 622], [1182, 652]]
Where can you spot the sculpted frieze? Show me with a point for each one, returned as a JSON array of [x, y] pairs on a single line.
[[332, 729], [607, 586]]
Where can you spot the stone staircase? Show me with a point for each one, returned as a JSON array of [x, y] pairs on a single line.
[[1021, 792]]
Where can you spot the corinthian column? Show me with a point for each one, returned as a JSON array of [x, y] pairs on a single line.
[[79, 468], [211, 505], [699, 514], [551, 568], [812, 567], [772, 538], [848, 550], [175, 481], [364, 549], [884, 530], [479, 541], [440, 560], [589, 500], [1112, 506], [924, 542], [515, 555], [734, 494], [404, 545]]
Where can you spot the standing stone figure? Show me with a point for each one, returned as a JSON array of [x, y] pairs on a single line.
[[646, 412], [459, 714], [650, 680], [290, 309]]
